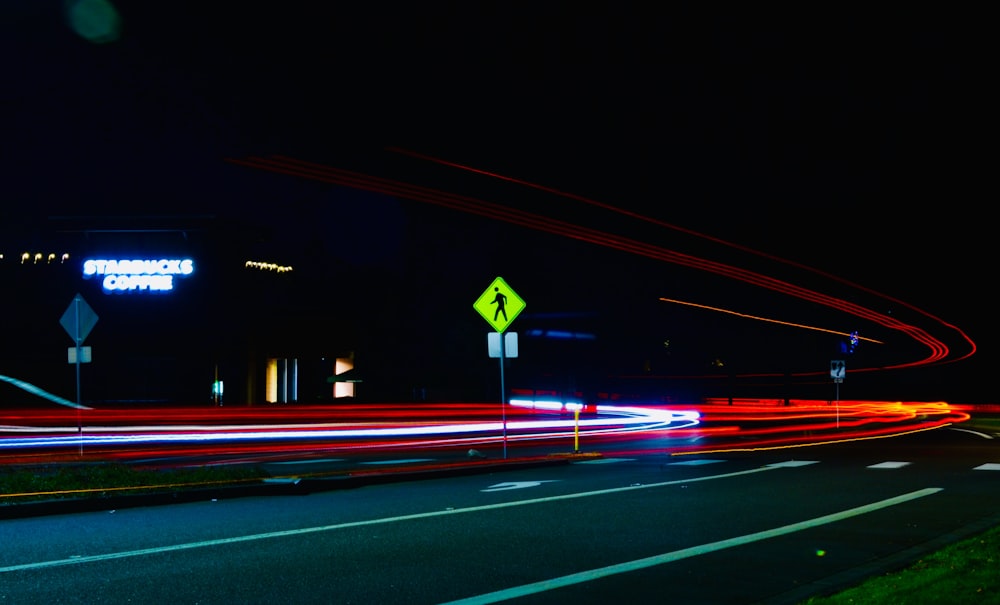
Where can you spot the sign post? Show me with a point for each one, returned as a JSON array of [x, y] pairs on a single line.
[[838, 370], [78, 320], [499, 305]]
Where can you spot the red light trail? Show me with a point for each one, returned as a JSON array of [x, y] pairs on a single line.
[[937, 351], [139, 436], [33, 436], [721, 242]]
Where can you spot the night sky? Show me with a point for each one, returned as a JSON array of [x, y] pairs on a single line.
[[850, 141]]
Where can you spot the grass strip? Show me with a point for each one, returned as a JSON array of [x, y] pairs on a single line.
[[964, 572], [98, 480]]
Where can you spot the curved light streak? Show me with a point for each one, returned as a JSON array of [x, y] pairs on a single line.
[[766, 319], [34, 390], [715, 425], [716, 240], [798, 426], [936, 350], [607, 420]]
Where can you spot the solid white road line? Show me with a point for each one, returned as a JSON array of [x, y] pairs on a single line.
[[594, 574], [77, 560]]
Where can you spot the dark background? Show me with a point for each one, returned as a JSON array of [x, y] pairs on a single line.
[[846, 139]]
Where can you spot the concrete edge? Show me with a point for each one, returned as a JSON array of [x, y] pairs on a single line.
[[278, 486]]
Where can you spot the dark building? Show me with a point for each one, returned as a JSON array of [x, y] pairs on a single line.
[[187, 312]]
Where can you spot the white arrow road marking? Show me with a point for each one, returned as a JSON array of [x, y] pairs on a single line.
[[499, 487]]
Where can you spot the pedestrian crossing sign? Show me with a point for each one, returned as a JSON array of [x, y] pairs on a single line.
[[499, 305]]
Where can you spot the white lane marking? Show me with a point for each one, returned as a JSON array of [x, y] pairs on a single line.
[[889, 465], [684, 553], [406, 461], [989, 466], [310, 530], [605, 460], [500, 487], [694, 462], [793, 463], [979, 433], [314, 461]]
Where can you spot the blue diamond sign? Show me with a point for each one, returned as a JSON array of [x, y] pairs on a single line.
[[78, 320]]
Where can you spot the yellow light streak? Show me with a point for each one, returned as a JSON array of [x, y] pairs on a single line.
[[787, 446], [775, 321]]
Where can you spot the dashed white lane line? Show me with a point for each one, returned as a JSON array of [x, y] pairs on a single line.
[[989, 466], [405, 461], [889, 464], [313, 461], [605, 461], [793, 463]]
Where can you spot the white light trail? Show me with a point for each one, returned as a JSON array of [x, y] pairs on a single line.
[[609, 419]]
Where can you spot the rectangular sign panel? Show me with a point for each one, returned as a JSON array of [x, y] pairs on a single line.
[[509, 344], [84, 354]]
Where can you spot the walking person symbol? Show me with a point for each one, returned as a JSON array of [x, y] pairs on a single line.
[[500, 300]]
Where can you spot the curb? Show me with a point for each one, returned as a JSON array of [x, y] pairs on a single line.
[[277, 486]]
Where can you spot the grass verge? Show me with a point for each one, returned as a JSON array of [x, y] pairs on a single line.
[[99, 480], [964, 572]]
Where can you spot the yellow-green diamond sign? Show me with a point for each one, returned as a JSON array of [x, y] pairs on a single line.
[[499, 305]]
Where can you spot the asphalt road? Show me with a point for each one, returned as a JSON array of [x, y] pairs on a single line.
[[763, 527]]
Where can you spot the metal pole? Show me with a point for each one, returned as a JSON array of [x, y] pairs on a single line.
[[838, 404], [503, 396], [576, 431], [79, 423]]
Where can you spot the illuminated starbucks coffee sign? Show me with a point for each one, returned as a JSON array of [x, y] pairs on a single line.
[[137, 275]]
